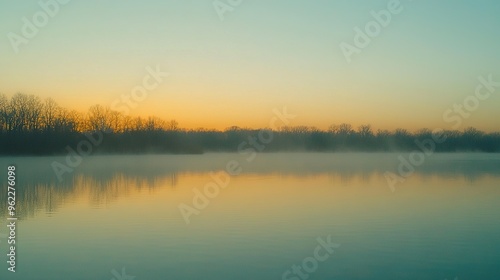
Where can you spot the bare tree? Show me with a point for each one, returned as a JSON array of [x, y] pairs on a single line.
[[115, 120], [138, 124], [99, 118], [333, 129], [345, 129], [34, 113], [69, 121], [127, 123], [50, 113], [365, 131], [172, 125], [155, 123], [19, 111], [4, 113]]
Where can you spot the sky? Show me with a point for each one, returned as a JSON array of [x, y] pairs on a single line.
[[233, 67]]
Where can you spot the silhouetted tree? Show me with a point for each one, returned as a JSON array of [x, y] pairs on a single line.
[[29, 125]]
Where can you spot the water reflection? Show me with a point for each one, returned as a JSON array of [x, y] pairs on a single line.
[[122, 211], [104, 179]]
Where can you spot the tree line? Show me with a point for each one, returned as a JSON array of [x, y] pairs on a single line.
[[32, 126]]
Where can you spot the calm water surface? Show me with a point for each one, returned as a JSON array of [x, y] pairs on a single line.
[[122, 212]]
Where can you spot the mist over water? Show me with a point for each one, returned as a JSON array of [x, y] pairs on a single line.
[[123, 211]]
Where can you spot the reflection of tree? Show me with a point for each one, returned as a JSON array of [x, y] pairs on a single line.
[[104, 179], [49, 197]]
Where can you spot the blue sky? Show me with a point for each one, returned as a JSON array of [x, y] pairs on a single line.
[[264, 54]]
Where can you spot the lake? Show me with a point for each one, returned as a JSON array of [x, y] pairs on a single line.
[[280, 216]]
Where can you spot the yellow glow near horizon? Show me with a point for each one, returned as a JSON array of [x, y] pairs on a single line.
[[236, 72]]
